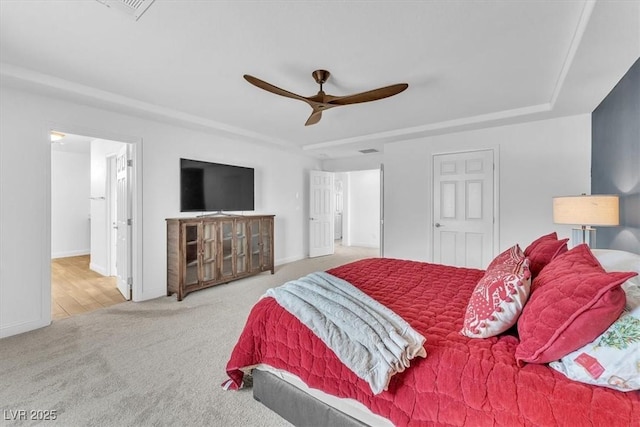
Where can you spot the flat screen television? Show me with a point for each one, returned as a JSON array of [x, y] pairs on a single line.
[[215, 187]]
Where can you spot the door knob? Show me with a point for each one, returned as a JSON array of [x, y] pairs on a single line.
[[437, 225]]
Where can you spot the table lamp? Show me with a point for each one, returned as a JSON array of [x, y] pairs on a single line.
[[586, 211]]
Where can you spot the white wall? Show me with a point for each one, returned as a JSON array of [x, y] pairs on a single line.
[[364, 208], [360, 210], [357, 163], [25, 249], [537, 160], [70, 223]]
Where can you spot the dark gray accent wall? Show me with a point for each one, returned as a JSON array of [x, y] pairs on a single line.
[[615, 159]]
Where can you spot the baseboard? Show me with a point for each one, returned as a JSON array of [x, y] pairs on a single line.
[[22, 327], [289, 259], [364, 245], [98, 269], [66, 254]]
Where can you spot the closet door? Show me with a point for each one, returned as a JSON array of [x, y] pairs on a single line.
[[463, 208]]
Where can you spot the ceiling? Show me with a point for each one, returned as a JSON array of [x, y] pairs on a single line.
[[469, 64]]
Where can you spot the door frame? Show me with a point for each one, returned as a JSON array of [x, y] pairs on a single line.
[[346, 211], [136, 201], [381, 236], [496, 194]]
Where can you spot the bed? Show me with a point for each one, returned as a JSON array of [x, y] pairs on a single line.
[[462, 381]]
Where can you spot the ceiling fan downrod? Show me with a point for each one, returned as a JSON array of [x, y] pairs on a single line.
[[321, 76]]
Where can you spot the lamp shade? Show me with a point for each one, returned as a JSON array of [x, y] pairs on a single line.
[[598, 209]]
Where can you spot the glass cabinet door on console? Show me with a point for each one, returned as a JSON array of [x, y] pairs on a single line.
[[209, 265], [261, 244], [227, 248], [191, 253], [266, 232], [199, 254], [241, 247], [255, 245]]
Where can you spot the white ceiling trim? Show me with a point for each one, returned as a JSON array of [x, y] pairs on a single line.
[[36, 78], [418, 131], [573, 48]]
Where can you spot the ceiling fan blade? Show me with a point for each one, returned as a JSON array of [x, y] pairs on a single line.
[[370, 95], [273, 89], [314, 118]]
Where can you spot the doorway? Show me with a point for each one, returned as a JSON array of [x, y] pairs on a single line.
[[83, 211], [352, 205], [464, 208]]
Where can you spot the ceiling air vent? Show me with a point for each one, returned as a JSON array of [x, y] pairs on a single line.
[[369, 151], [134, 8]]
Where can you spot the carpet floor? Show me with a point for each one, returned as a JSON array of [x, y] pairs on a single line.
[[153, 363]]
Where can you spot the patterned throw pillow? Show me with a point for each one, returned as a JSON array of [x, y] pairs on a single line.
[[613, 358], [499, 296]]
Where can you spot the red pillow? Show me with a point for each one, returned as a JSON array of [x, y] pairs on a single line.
[[542, 250], [573, 301]]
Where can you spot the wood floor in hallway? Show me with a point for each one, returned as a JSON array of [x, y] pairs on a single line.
[[77, 289]]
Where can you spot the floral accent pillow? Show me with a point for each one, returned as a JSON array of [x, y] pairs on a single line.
[[499, 296], [613, 358]]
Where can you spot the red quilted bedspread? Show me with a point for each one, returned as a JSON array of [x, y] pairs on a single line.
[[463, 381]]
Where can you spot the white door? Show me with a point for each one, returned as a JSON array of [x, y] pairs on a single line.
[[112, 186], [123, 224], [463, 212], [321, 213]]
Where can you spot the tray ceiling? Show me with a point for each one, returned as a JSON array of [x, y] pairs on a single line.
[[468, 64]]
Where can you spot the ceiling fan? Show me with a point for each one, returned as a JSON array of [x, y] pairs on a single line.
[[321, 101]]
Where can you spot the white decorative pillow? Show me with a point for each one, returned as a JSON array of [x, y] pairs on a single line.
[[498, 299], [613, 359], [614, 260]]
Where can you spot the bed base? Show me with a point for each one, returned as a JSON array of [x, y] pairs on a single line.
[[296, 406]]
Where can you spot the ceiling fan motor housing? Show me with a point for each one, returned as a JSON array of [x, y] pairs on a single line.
[[321, 76]]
